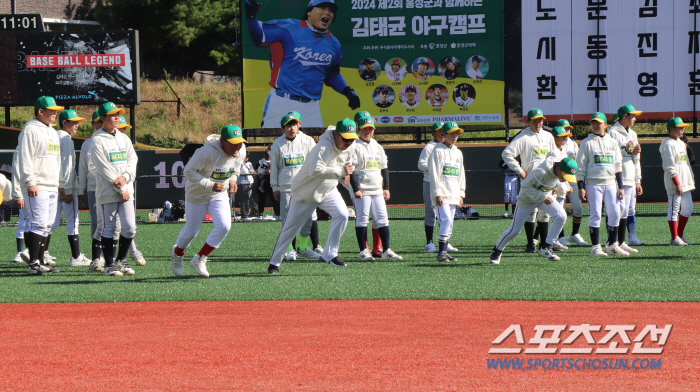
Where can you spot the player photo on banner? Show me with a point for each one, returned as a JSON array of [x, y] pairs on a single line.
[[327, 58], [478, 67], [464, 94]]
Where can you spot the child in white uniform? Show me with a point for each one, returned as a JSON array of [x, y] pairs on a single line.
[[679, 180]]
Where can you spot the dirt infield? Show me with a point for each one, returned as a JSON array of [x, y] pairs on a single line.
[[326, 345]]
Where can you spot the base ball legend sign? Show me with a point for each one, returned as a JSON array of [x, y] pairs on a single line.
[[81, 68], [583, 56]]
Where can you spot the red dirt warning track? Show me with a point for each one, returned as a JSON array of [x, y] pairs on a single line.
[[321, 346]]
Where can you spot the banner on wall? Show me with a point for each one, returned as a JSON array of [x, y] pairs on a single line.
[[583, 56], [409, 62]]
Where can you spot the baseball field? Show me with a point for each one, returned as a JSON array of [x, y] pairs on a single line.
[[411, 325]]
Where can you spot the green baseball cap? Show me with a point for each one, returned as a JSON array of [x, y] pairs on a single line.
[[47, 103], [123, 123], [233, 134], [560, 131], [69, 115], [676, 122], [364, 122], [438, 125], [109, 108], [95, 115], [598, 116], [534, 114], [291, 116], [569, 168], [360, 114], [615, 117], [564, 123], [627, 109], [347, 129], [451, 127]]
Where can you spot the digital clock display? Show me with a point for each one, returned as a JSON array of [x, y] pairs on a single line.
[[21, 22]]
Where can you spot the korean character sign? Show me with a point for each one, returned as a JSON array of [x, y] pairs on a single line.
[[372, 50]]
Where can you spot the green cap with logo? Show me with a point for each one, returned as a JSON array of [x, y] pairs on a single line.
[[233, 134], [676, 122], [47, 103], [598, 116], [123, 123], [109, 108], [627, 109], [438, 125], [347, 129], [291, 116], [364, 122], [569, 168], [95, 115], [560, 131], [360, 114], [69, 115], [564, 123], [615, 117], [451, 127], [534, 114]]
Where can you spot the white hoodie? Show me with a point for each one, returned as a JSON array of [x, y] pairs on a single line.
[[539, 183], [447, 178], [598, 160], [5, 188], [558, 155], [112, 156], [209, 165], [323, 167], [67, 178], [423, 159], [16, 189], [86, 180], [631, 167], [286, 158], [532, 148], [371, 160], [674, 160], [39, 157]]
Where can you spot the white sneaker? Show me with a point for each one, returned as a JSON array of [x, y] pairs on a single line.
[[18, 258], [199, 263], [627, 248], [390, 255], [318, 249], [678, 242], [557, 246], [686, 241], [48, 259], [292, 255], [25, 255], [176, 262], [564, 242], [633, 240], [548, 254], [309, 254], [495, 256], [451, 248], [505, 215], [366, 255], [124, 267], [137, 256], [276, 217], [535, 242], [81, 261], [269, 217], [577, 240], [597, 251], [614, 250], [430, 248]]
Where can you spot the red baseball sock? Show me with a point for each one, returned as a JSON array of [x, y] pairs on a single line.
[[206, 250], [682, 220], [178, 251], [673, 225], [376, 240]]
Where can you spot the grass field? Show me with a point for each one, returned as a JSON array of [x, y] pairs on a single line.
[[238, 269]]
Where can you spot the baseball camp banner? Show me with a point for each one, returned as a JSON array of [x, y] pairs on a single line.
[[583, 56], [410, 62]]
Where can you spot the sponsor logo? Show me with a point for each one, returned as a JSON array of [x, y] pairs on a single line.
[[119, 156], [307, 57], [398, 119], [604, 159], [412, 120], [385, 120]]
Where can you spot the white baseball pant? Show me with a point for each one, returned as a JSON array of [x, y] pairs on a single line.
[[277, 107], [680, 205], [40, 210], [522, 214], [92, 205], [576, 203], [626, 203], [596, 195], [299, 214], [126, 213], [429, 219], [377, 205], [97, 234], [71, 211], [633, 204], [285, 198], [220, 212], [22, 223], [511, 188], [446, 217]]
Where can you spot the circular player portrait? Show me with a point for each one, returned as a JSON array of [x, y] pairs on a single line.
[[437, 95], [410, 96], [477, 67], [395, 69], [369, 69], [450, 68], [464, 94], [423, 68], [383, 96]]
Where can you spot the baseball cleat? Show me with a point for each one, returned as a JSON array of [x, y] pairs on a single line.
[[442, 257], [597, 251], [199, 263], [614, 250], [81, 261], [686, 241], [273, 269], [309, 253], [48, 256], [390, 255], [124, 267], [678, 242], [530, 248], [449, 256], [97, 265], [336, 262], [112, 271], [34, 269], [18, 258], [557, 246], [535, 242], [547, 252], [175, 263], [451, 248], [564, 241], [365, 255], [495, 256], [430, 248], [577, 240], [48, 259], [137, 256], [318, 249], [25, 255], [628, 248], [634, 240], [291, 255], [47, 268], [505, 215]]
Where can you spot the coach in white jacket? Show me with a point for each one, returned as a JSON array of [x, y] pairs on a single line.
[[428, 201], [316, 186], [679, 180], [113, 162], [209, 173]]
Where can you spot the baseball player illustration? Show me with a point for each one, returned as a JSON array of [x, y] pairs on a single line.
[[570, 148], [532, 146], [410, 96], [463, 99], [304, 56], [287, 156], [210, 172], [421, 69], [447, 184], [316, 185], [452, 68], [370, 184], [436, 100], [474, 72], [383, 96], [679, 180], [39, 162], [394, 71], [561, 137], [630, 150], [113, 163], [536, 194], [599, 180], [368, 74]]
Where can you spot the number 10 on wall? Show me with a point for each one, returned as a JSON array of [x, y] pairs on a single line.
[[178, 182]]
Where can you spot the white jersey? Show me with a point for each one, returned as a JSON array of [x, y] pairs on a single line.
[[86, 180], [474, 73], [286, 158], [631, 166], [447, 177], [532, 148], [464, 102], [209, 165], [67, 179], [38, 157], [598, 160], [558, 155], [423, 159], [395, 76], [674, 160], [539, 183], [112, 156], [371, 160]]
